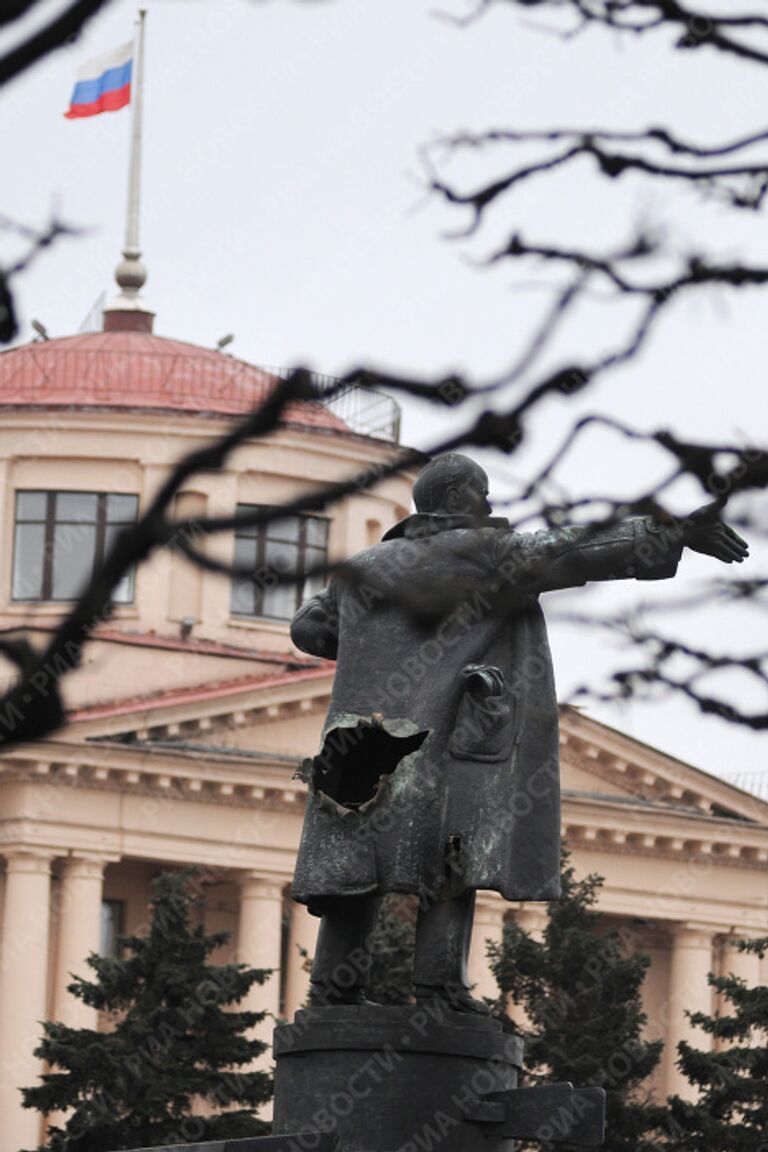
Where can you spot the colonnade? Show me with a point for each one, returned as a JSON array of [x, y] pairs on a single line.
[[45, 941], [48, 931], [691, 960]]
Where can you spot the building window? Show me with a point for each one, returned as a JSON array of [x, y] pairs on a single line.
[[295, 544], [61, 537], [112, 927]]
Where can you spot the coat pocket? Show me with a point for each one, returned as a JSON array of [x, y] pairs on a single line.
[[485, 723]]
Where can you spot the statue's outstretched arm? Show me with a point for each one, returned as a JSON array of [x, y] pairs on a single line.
[[640, 548], [569, 557]]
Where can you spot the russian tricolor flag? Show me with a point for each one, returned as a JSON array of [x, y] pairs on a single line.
[[104, 84]]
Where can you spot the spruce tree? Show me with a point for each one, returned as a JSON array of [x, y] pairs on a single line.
[[731, 1112], [392, 940], [581, 993], [176, 1042]]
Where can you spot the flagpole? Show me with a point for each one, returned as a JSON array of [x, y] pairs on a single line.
[[128, 312], [134, 175]]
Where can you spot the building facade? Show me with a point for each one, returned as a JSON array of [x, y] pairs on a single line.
[[192, 710]]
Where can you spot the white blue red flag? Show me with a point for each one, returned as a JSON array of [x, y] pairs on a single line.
[[103, 84]]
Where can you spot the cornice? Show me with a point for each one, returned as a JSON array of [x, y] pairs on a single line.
[[266, 781], [684, 904], [187, 425], [154, 842], [243, 781], [607, 825], [627, 816]]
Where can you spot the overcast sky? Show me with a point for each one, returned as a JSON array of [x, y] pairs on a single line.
[[284, 201]]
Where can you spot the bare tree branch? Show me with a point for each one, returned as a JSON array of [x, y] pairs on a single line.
[[614, 165], [659, 651], [696, 28], [38, 242], [597, 136], [59, 31]]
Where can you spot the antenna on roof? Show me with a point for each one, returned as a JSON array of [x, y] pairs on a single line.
[[41, 329], [128, 312], [224, 341]]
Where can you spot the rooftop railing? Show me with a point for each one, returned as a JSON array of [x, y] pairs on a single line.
[[364, 410]]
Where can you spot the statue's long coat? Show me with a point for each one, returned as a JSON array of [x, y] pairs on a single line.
[[475, 802]]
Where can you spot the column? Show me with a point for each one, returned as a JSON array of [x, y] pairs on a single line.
[[488, 925], [259, 939], [302, 935], [259, 944], [532, 918], [78, 914], [745, 965], [23, 991], [690, 964]]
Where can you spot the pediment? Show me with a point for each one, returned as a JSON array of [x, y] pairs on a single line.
[[575, 778], [596, 759], [283, 712]]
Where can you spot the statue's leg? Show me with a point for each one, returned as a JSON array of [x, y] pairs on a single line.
[[342, 956], [443, 933]]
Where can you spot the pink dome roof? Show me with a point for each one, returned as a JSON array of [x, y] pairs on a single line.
[[140, 371]]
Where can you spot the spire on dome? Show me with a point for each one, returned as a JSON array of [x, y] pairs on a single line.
[[128, 312]]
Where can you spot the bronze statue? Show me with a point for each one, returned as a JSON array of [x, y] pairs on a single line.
[[439, 771]]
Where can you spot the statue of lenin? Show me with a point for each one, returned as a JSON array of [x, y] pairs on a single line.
[[438, 773]]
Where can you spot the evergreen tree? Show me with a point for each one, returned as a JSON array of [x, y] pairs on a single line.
[[391, 974], [173, 1044], [581, 993], [731, 1112]]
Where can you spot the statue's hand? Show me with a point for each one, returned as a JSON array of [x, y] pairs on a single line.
[[705, 532]]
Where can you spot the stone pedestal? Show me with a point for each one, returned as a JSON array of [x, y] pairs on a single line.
[[392, 1079]]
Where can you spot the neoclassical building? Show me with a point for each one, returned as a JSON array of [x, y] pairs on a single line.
[[192, 710]]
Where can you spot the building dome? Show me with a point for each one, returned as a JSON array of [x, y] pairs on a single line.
[[138, 371], [94, 424]]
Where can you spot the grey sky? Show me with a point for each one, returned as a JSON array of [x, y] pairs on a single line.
[[284, 201]]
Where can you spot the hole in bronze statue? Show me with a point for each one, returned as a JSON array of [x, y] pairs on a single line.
[[354, 761]]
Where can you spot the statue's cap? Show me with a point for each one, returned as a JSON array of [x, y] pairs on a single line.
[[450, 470]]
